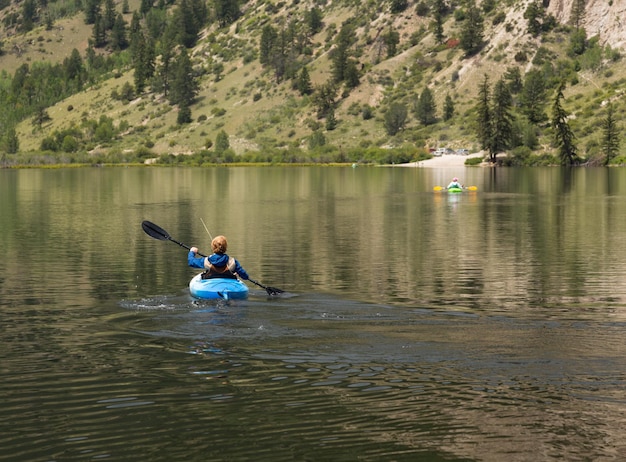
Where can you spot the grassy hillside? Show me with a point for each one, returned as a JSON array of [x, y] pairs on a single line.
[[258, 113]]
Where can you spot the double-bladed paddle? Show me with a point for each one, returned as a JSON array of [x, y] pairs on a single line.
[[159, 233], [469, 188]]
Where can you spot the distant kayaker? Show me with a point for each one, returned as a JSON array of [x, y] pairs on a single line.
[[219, 264], [455, 184]]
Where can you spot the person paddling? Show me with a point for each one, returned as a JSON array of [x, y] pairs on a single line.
[[219, 264], [454, 184]]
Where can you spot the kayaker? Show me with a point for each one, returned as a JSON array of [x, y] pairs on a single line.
[[455, 184], [219, 264]]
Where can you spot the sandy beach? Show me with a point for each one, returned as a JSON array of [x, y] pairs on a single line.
[[450, 160]]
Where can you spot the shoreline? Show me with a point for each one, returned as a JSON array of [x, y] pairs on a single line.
[[445, 161]]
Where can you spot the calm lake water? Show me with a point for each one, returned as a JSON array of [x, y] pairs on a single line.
[[416, 325]]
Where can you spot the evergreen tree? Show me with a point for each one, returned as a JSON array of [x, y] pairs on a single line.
[[304, 82], [29, 15], [425, 107], [439, 11], [391, 39], [398, 6], [564, 137], [535, 15], [437, 26], [577, 15], [514, 78], [352, 79], [395, 118], [184, 114], [323, 98], [11, 141], [610, 135], [313, 19], [74, 69], [145, 6], [501, 119], [134, 33], [471, 40], [184, 86], [140, 64], [99, 32], [186, 23], [340, 55], [269, 38], [483, 115], [118, 34], [92, 10], [577, 43], [109, 14], [448, 108], [163, 73], [533, 97], [331, 121], [226, 11]]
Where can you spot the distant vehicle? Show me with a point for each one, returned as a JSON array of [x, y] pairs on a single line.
[[462, 152], [443, 151]]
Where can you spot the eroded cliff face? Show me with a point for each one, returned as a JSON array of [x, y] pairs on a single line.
[[603, 18]]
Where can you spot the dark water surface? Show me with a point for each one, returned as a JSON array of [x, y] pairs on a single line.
[[416, 325]]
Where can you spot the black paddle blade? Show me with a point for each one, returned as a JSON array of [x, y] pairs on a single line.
[[270, 290], [155, 231], [273, 291]]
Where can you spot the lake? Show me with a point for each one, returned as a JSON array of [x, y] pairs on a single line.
[[415, 325]]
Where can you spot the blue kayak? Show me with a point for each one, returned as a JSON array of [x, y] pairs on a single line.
[[225, 288]]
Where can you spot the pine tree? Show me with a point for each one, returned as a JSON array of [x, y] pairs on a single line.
[[74, 69], [323, 98], [564, 137], [398, 6], [437, 26], [109, 14], [472, 31], [577, 15], [331, 121], [184, 114], [304, 82], [439, 11], [501, 119], [226, 11], [118, 34], [535, 15], [352, 78], [11, 142], [610, 135], [140, 64], [341, 53], [425, 107], [269, 38], [99, 32], [184, 86], [314, 20], [514, 78], [483, 115], [391, 39], [92, 11], [533, 97]]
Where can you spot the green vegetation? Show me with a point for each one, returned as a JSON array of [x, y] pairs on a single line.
[[189, 82]]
